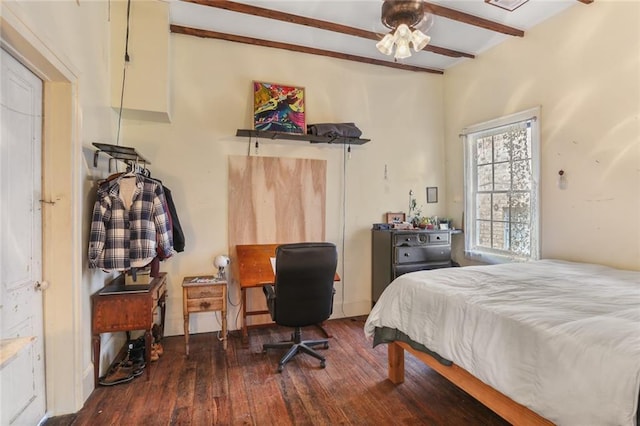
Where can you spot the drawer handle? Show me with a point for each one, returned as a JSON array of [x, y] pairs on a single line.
[[406, 255], [438, 237], [205, 305]]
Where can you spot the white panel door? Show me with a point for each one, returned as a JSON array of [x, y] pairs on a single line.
[[22, 390]]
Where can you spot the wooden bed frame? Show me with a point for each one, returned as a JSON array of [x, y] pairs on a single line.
[[499, 403]]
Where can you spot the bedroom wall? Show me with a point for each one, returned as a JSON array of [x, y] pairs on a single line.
[[582, 67], [211, 80]]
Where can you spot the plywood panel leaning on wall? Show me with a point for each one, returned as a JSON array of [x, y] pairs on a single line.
[[274, 200]]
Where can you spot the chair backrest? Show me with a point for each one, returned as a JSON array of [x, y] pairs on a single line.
[[304, 283]]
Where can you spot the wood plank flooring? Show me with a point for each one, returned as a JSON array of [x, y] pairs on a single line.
[[241, 387]]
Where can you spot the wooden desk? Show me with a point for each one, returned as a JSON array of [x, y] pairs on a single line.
[[255, 270], [204, 293], [120, 307]]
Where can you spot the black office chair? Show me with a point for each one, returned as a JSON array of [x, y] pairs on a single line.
[[302, 294]]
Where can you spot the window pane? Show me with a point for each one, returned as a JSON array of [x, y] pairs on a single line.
[[501, 174], [500, 206], [522, 175], [521, 207], [483, 147], [500, 239], [520, 145], [501, 148], [484, 233], [485, 178], [502, 177], [483, 201], [520, 239]]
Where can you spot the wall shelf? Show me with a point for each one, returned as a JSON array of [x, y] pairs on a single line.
[[116, 152], [265, 134]]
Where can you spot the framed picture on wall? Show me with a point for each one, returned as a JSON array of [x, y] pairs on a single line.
[[278, 108], [432, 194]]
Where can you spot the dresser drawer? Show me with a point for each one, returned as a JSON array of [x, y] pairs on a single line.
[[205, 304], [433, 253], [420, 238], [410, 239], [438, 237], [201, 292]]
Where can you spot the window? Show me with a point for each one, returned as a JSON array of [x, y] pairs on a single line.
[[501, 188]]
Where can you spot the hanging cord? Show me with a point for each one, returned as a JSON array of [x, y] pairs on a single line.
[[124, 71]]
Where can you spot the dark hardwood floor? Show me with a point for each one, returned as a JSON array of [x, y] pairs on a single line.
[[242, 387]]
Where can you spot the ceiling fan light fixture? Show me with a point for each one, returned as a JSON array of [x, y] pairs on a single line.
[[419, 40], [402, 17], [385, 46], [402, 49]]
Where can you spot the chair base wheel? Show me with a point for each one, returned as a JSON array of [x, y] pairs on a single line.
[[296, 346]]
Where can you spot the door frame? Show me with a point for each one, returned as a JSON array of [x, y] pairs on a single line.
[[62, 222]]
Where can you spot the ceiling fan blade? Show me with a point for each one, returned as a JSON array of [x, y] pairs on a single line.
[[425, 23]]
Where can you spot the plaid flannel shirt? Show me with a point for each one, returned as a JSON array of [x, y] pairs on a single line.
[[121, 239]]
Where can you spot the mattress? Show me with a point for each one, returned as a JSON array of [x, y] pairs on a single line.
[[560, 338]]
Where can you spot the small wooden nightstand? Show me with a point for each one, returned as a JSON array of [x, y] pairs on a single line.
[[204, 293]]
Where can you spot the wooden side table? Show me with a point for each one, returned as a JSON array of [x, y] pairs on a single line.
[[121, 307], [204, 293]]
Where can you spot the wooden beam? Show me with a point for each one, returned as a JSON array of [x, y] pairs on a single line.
[[314, 23], [295, 48], [466, 18]]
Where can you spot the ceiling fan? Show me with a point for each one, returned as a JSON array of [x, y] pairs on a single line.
[[408, 22]]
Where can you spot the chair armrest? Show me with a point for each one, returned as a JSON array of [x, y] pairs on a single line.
[[270, 293]]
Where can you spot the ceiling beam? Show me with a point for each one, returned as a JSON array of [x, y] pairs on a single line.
[[315, 23], [295, 48], [466, 18]]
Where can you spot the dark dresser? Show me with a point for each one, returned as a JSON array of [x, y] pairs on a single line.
[[396, 252]]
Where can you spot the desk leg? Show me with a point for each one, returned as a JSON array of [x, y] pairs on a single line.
[[223, 314], [186, 333], [96, 359], [324, 330], [163, 311], [245, 332]]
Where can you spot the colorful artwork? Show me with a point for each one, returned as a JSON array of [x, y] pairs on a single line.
[[278, 108]]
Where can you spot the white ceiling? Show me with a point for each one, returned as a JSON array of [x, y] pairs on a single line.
[[365, 14]]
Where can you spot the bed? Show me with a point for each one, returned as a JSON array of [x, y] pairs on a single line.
[[539, 342]]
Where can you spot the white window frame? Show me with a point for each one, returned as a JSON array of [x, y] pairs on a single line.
[[469, 135]]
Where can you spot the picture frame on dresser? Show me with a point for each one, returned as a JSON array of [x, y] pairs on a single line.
[[398, 217]]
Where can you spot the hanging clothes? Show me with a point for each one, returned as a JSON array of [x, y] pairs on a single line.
[[178, 234], [129, 233]]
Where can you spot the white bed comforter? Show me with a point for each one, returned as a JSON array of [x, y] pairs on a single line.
[[561, 338]]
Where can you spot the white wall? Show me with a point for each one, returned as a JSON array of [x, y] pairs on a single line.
[[583, 68], [400, 111]]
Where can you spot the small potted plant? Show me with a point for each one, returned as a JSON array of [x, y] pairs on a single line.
[[415, 213]]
